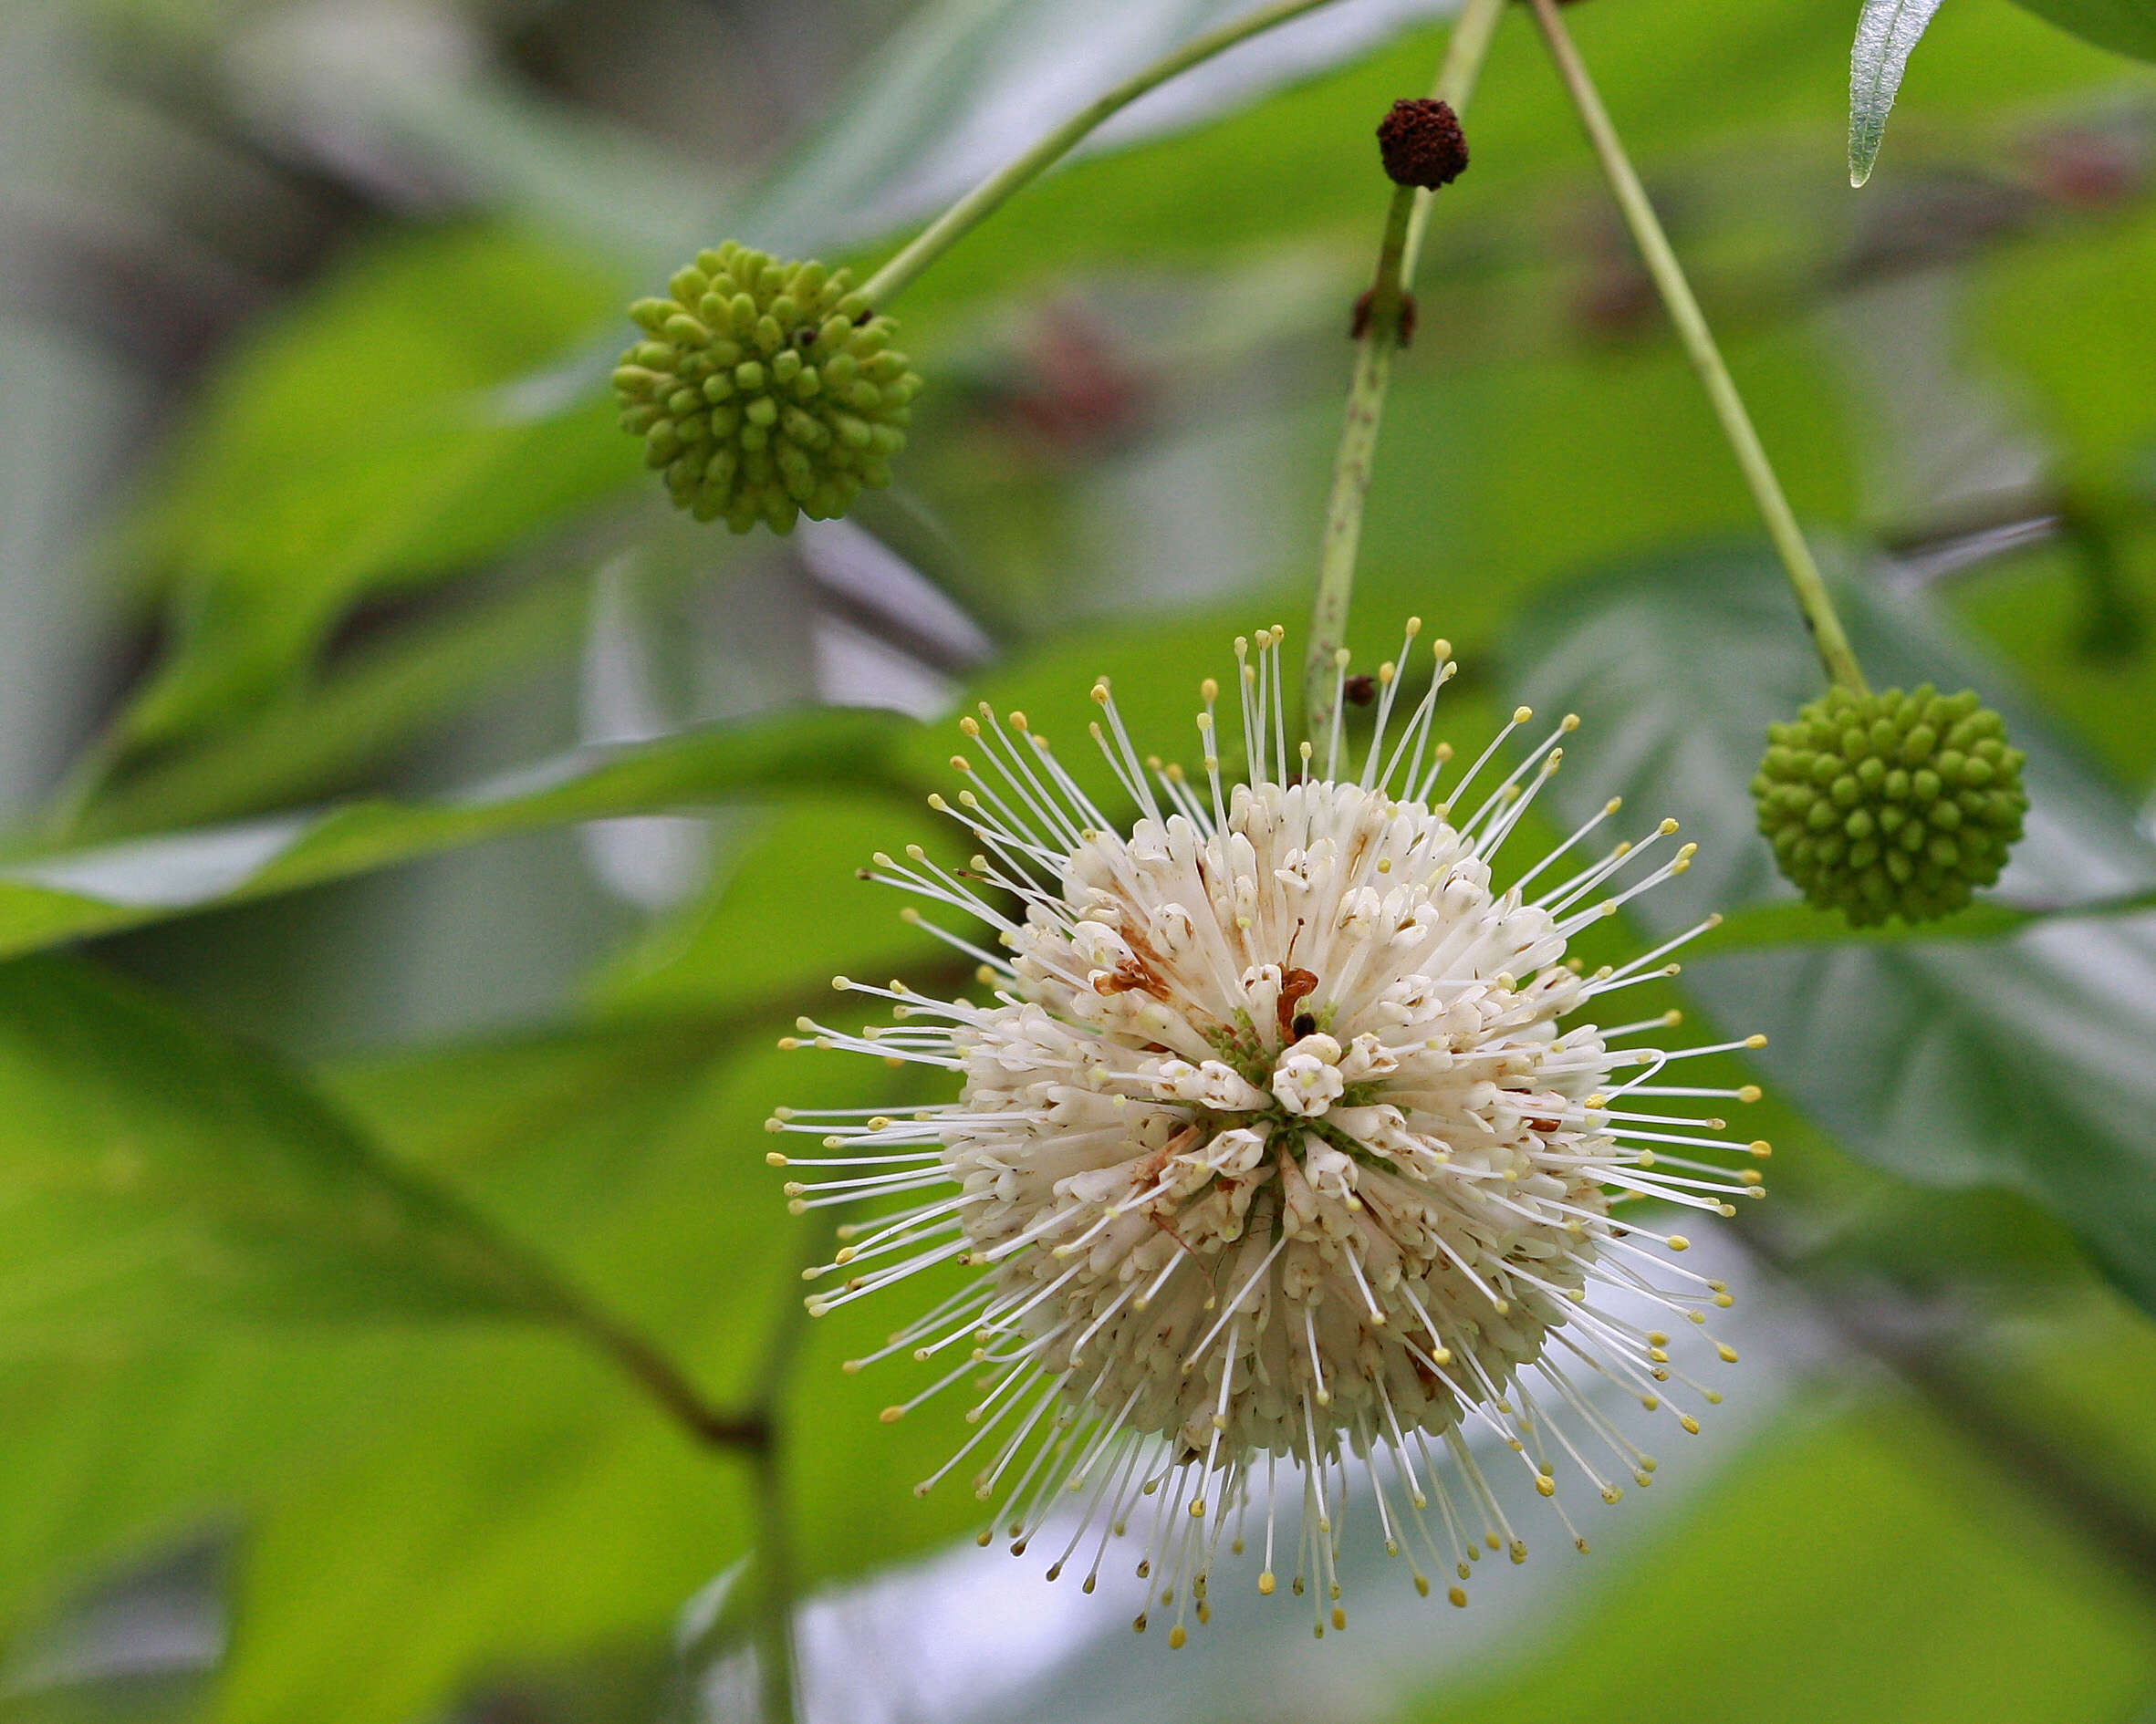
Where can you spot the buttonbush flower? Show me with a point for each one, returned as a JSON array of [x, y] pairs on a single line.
[[1287, 1152]]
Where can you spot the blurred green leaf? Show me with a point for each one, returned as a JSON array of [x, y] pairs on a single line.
[[82, 893], [381, 696], [424, 1507], [919, 124], [718, 953], [2126, 26], [1887, 31], [1788, 1595], [2020, 1061], [2042, 310], [535, 1508], [426, 409], [153, 1174]]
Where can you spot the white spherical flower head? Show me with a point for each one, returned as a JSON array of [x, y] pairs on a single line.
[[1274, 1155]]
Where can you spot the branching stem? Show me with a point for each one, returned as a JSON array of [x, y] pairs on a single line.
[[1407, 218], [1812, 600]]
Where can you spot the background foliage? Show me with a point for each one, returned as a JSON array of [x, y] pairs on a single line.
[[417, 833]]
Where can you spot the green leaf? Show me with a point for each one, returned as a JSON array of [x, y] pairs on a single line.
[[1887, 31], [718, 953], [532, 1507], [154, 1174], [2007, 1616], [423, 410], [2129, 27], [81, 893], [378, 699], [2018, 1061]]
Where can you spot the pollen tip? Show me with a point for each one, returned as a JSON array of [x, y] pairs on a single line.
[[970, 725], [891, 1415], [1612, 1494], [1266, 1581], [799, 1206], [1756, 1041], [1727, 1354], [815, 1307], [1421, 1586], [1100, 692], [1521, 714], [1198, 1509], [1457, 1597], [772, 1158], [1761, 1148], [1692, 1424], [1678, 1242], [1545, 1485]]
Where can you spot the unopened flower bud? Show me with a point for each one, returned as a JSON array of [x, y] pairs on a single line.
[[764, 391], [1421, 145], [1890, 804]]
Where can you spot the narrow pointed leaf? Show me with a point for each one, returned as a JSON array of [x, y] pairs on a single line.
[[1886, 33]]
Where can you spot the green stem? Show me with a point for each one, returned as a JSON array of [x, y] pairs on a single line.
[[1407, 219], [1812, 600], [993, 192]]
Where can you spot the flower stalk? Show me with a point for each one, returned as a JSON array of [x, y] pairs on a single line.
[[1406, 220], [1829, 639], [977, 206]]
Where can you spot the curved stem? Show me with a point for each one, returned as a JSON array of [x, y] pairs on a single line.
[[1835, 656], [1407, 219], [993, 192]]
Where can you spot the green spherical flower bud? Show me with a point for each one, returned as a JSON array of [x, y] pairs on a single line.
[[764, 391], [1890, 804]]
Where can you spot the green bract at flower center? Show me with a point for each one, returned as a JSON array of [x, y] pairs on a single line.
[[1890, 804], [764, 391]]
